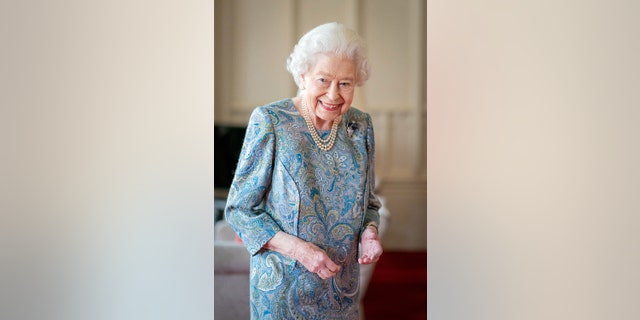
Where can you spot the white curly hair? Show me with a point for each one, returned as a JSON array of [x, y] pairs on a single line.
[[333, 38]]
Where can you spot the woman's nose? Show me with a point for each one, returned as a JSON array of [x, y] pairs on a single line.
[[334, 92]]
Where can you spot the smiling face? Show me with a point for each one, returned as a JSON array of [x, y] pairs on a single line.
[[329, 88]]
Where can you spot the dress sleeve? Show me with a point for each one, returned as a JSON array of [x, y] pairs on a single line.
[[373, 203], [245, 209]]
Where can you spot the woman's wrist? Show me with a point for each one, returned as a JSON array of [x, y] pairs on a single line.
[[283, 243], [372, 225]]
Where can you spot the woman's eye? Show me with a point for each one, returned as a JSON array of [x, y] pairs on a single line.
[[345, 84], [323, 82]]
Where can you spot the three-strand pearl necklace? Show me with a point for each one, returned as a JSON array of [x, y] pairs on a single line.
[[324, 145]]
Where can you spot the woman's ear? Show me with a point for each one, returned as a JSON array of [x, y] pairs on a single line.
[[303, 82]]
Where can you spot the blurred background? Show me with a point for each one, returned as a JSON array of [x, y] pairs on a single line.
[[533, 152], [106, 135]]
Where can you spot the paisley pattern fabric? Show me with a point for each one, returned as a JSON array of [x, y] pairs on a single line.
[[284, 182]]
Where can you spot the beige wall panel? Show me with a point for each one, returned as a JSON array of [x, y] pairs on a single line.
[[381, 125], [423, 145], [386, 25], [263, 32], [313, 13], [222, 55], [393, 30], [405, 147]]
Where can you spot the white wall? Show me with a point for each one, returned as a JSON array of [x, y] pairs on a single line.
[[533, 159], [107, 176]]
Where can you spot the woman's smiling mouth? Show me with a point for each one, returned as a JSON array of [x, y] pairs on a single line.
[[330, 107]]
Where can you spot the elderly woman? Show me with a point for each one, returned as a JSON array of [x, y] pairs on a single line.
[[302, 197]]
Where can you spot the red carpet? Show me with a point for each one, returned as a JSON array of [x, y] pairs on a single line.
[[398, 287]]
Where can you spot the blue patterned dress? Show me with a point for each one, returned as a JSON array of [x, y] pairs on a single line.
[[284, 182]]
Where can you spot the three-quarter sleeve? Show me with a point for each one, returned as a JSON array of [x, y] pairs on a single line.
[[245, 209], [373, 204]]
